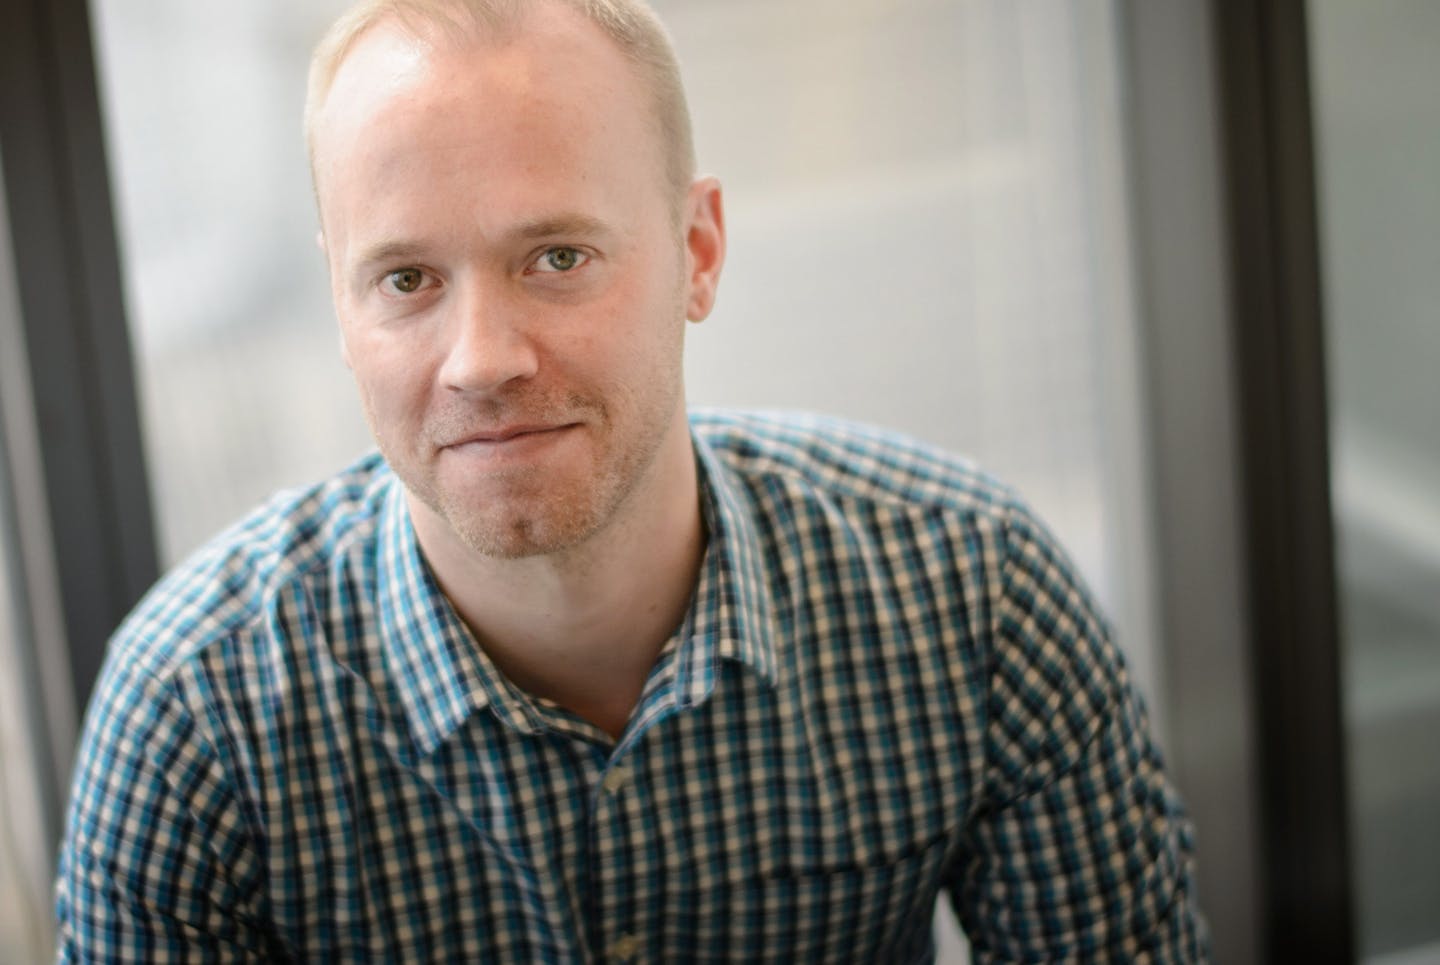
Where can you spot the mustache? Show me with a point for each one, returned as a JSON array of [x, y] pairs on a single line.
[[460, 418]]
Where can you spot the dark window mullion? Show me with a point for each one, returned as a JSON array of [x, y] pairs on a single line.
[[1279, 342]]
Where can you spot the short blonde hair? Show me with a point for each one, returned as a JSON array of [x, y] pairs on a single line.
[[630, 24]]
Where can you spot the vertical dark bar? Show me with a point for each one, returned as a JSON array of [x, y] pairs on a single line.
[[1279, 342], [68, 275]]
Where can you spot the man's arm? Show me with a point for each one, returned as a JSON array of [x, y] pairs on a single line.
[[1081, 850], [156, 863]]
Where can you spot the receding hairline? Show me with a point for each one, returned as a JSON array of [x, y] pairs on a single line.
[[630, 24]]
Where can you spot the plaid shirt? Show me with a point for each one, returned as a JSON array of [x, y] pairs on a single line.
[[888, 684]]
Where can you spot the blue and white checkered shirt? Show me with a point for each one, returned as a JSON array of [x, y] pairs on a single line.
[[888, 684]]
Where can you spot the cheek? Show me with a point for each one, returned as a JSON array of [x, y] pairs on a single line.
[[393, 382], [651, 323], [634, 355]]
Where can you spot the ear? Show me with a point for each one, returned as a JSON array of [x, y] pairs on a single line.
[[704, 228]]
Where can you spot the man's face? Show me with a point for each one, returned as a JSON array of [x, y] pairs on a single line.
[[510, 279]]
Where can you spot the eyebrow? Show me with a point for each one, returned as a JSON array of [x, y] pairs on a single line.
[[561, 225], [389, 251]]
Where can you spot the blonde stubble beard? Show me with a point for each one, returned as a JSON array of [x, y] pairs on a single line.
[[538, 522]]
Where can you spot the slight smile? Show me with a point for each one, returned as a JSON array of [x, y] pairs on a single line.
[[514, 440]]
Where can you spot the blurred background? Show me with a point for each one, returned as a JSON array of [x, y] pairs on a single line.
[[1009, 228]]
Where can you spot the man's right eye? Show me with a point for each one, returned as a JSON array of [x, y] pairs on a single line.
[[406, 281]]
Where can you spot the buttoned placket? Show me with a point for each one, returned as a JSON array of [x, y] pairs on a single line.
[[623, 949], [617, 943], [616, 790]]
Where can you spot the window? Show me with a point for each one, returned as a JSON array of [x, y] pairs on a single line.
[[927, 230]]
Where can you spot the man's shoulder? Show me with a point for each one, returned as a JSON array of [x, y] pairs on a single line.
[[847, 460], [235, 579]]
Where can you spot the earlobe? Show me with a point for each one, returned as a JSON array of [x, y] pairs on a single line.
[[704, 244]]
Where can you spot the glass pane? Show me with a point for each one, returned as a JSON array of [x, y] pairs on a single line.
[[916, 195], [927, 232], [27, 829], [241, 385], [1376, 72], [25, 866]]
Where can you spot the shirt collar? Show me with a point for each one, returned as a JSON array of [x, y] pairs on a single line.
[[441, 673], [443, 676], [731, 616]]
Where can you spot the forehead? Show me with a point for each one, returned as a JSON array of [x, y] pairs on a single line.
[[550, 71]]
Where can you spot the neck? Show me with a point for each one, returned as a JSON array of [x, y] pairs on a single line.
[[583, 627]]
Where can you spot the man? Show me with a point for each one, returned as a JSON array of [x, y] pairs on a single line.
[[569, 675]]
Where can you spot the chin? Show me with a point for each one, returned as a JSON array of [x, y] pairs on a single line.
[[557, 525]]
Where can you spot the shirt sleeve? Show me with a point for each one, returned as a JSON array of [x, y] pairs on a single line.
[[156, 863], [1080, 849]]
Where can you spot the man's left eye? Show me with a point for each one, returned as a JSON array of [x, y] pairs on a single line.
[[560, 259]]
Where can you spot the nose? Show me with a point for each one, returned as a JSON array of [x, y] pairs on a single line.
[[489, 345]]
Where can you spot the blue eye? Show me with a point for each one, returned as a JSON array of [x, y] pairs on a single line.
[[560, 259]]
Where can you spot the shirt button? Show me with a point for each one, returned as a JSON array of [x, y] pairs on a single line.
[[624, 948], [615, 779]]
